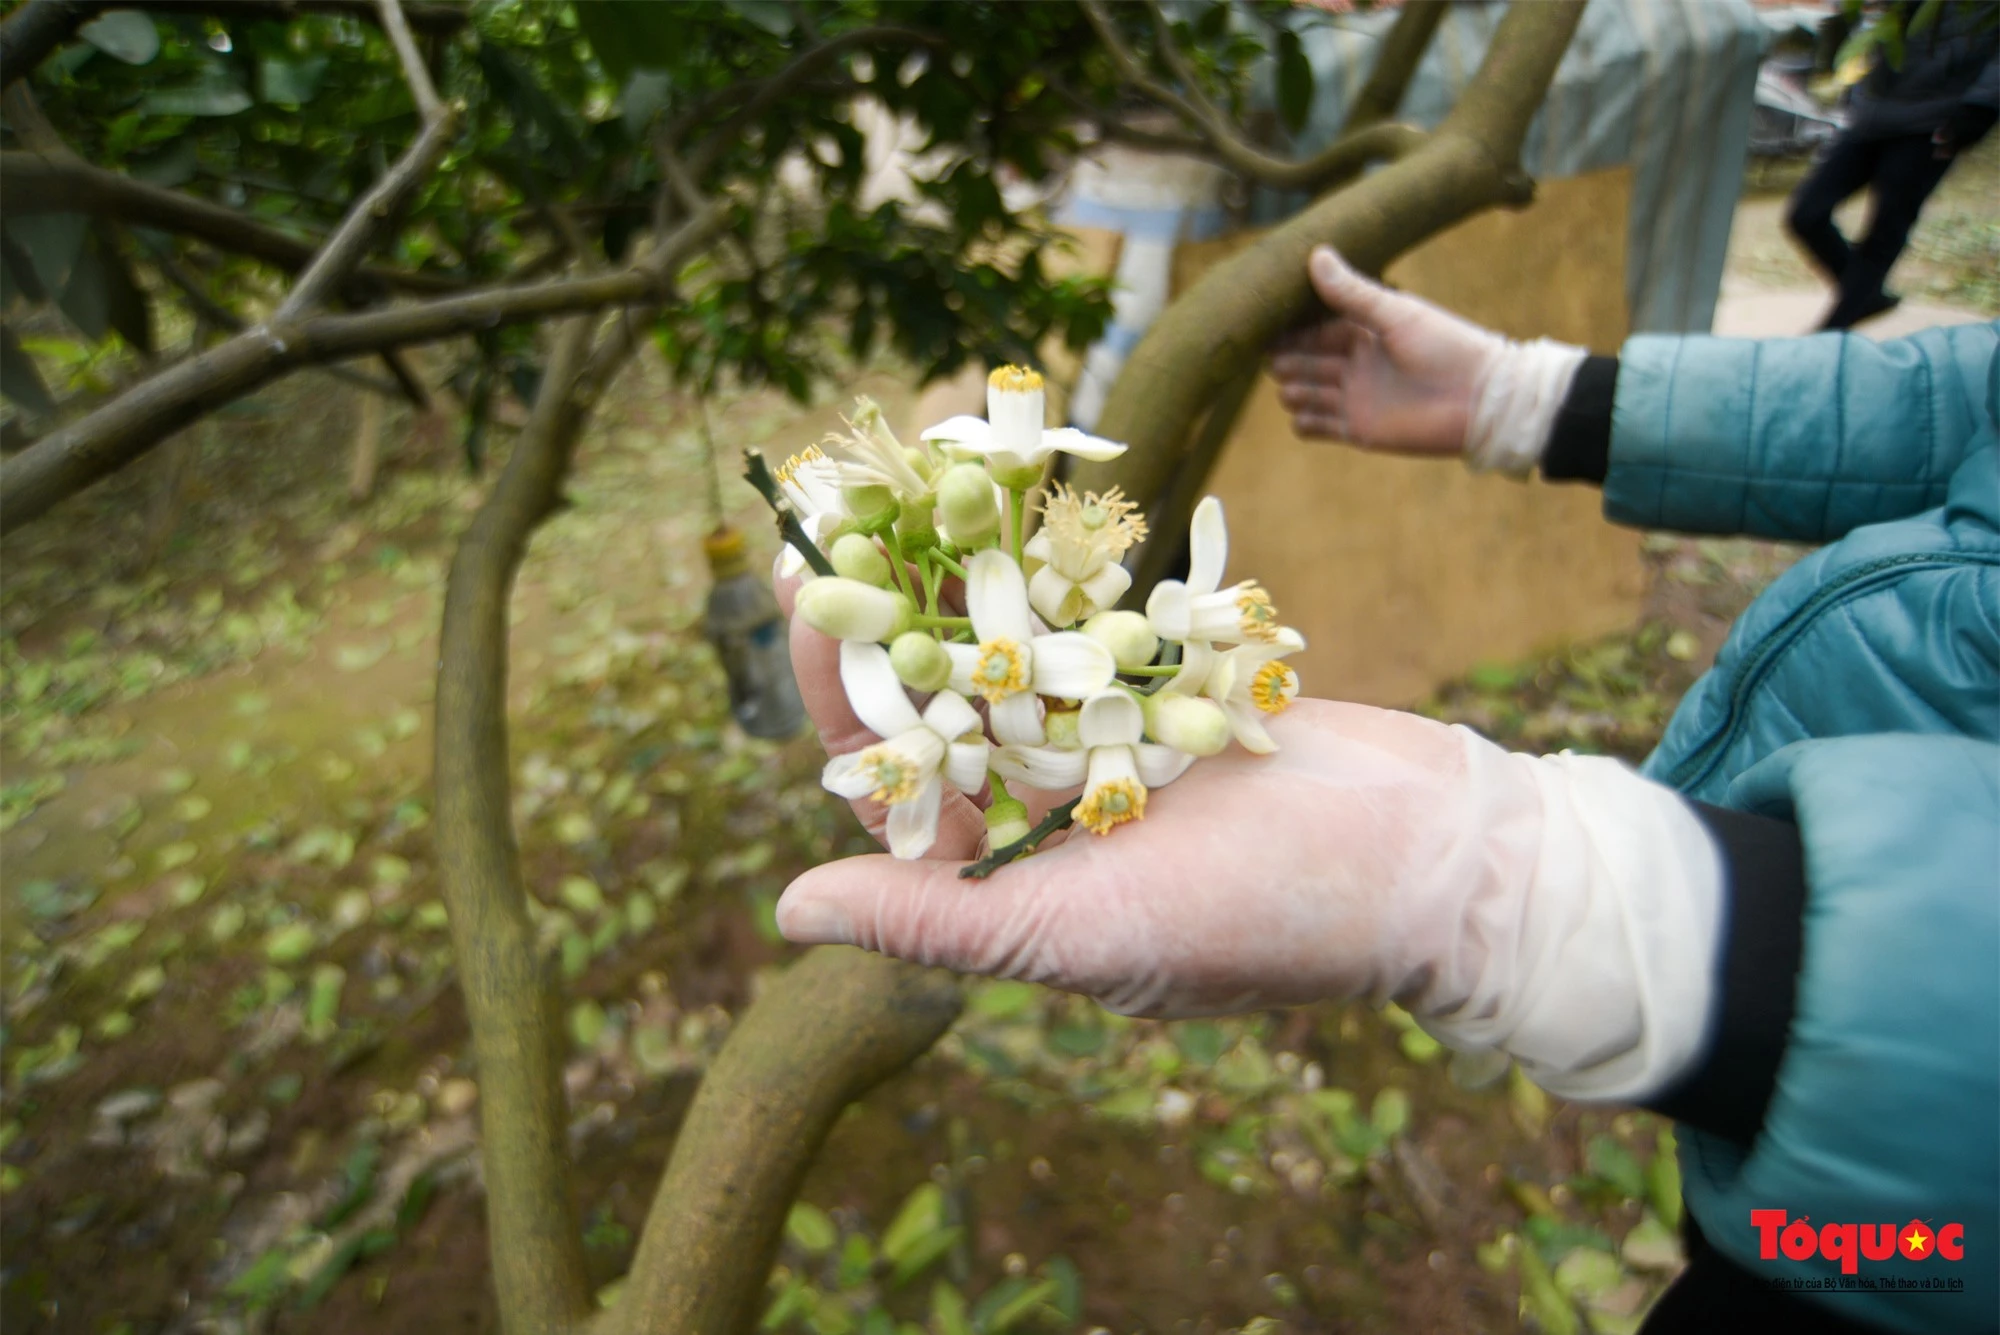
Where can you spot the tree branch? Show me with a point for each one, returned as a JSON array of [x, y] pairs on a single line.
[[1342, 158], [1221, 327], [31, 32], [829, 1029], [415, 72], [1396, 63], [44, 183], [364, 223], [70, 459]]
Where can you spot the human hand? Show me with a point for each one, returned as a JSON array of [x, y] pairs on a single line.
[[1388, 372]]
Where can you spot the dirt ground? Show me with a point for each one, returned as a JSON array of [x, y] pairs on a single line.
[[237, 1094]]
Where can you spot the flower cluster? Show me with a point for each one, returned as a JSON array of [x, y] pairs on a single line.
[[1077, 695]]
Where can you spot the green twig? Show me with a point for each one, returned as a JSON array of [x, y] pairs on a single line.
[[1020, 503], [1157, 670], [994, 861], [948, 564], [759, 474]]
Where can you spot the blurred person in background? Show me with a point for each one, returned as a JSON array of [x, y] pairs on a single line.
[[1910, 120]]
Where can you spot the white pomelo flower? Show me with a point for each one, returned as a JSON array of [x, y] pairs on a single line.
[[1114, 766], [1011, 437], [1250, 682], [1199, 610], [918, 753], [1010, 665], [1082, 539]]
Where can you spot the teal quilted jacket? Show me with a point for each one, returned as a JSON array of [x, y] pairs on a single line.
[[1859, 696]]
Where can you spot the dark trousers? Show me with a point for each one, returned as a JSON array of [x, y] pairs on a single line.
[[1902, 173]]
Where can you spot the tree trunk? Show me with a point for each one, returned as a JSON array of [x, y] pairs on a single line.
[[367, 448]]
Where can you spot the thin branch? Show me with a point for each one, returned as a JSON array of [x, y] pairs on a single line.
[[70, 459], [1342, 158], [364, 223], [1057, 819], [44, 183], [822, 1034], [1403, 48], [422, 91]]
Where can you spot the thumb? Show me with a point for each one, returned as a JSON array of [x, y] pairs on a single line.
[[1347, 293], [920, 911]]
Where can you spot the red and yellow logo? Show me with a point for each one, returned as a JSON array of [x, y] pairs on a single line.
[[1851, 1244]]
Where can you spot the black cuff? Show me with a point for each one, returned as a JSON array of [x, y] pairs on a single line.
[[1579, 448], [1764, 900]]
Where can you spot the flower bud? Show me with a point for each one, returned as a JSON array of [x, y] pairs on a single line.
[[921, 463], [1128, 635], [920, 661], [873, 507], [856, 556], [847, 609], [1186, 722], [1025, 478], [1006, 823], [965, 498], [1060, 726]]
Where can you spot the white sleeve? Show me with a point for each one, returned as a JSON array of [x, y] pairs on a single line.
[[1598, 975], [1514, 409]]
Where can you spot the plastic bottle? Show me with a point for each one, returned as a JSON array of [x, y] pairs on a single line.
[[749, 635]]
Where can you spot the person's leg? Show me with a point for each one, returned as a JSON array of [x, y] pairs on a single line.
[[1847, 167], [1905, 174]]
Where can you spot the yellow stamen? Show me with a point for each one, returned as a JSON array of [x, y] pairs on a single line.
[[1255, 615], [896, 779], [1111, 803], [790, 468], [1087, 521], [1272, 689], [1002, 670], [1015, 379]]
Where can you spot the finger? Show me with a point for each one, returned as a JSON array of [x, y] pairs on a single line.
[[816, 665], [925, 912], [1319, 426], [1312, 396], [1347, 293]]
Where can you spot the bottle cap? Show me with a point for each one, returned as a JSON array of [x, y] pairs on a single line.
[[725, 551]]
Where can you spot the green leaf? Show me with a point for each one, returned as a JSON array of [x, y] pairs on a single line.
[[1200, 1042], [289, 943], [1295, 82], [809, 1227], [948, 1314], [50, 243], [291, 82], [1008, 1302], [101, 295], [773, 16], [1616, 1165], [215, 92], [922, 1217], [123, 34], [627, 37], [1003, 999], [20, 381], [1390, 1114], [1663, 1180]]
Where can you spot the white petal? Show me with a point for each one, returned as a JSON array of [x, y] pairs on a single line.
[[1048, 590], [1170, 607], [965, 764], [874, 691], [964, 662], [1198, 661], [966, 432], [1017, 720], [1161, 765], [1247, 723], [1107, 586], [1071, 441], [996, 597], [913, 824], [1071, 666], [793, 566], [1038, 546], [1208, 547], [1108, 764], [951, 716], [1040, 766], [1112, 718], [844, 777]]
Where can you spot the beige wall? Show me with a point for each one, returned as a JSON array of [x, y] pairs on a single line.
[[1403, 573]]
